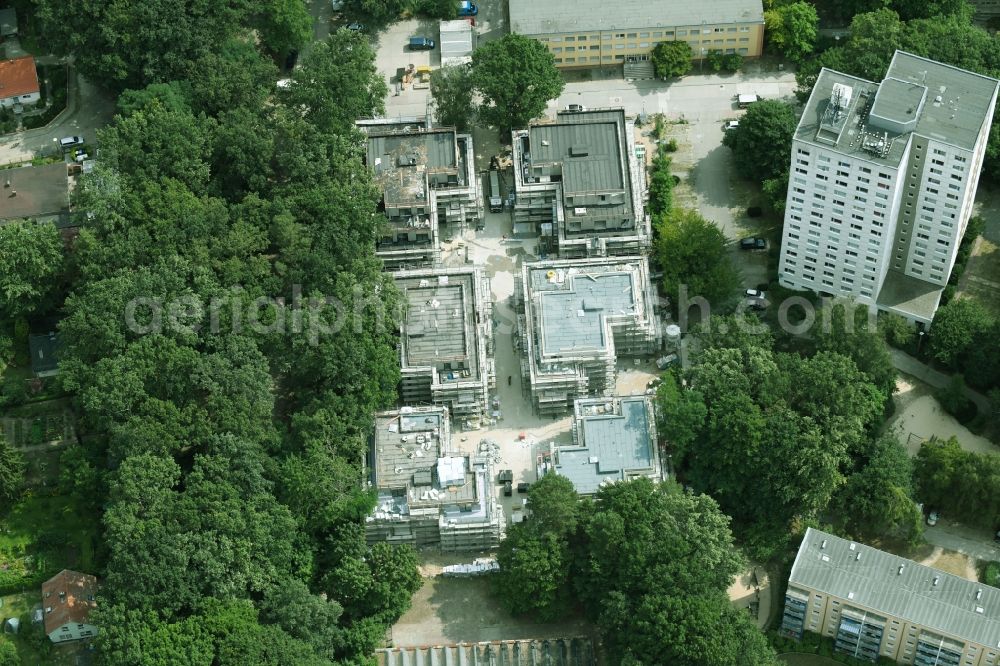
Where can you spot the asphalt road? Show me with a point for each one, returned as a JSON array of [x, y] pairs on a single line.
[[966, 540], [87, 110]]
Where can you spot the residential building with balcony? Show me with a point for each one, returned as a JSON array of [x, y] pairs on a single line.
[[875, 604]]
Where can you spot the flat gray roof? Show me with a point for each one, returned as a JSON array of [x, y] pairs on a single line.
[[893, 585], [907, 294], [408, 446], [966, 98], [587, 152], [530, 17], [440, 321], [435, 149], [919, 96], [573, 319], [614, 441]]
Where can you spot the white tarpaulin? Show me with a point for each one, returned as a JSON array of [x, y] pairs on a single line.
[[451, 471]]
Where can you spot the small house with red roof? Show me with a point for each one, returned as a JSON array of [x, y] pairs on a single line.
[[67, 599], [19, 82]]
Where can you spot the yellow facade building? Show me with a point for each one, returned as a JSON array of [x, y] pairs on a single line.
[[875, 604], [598, 33]]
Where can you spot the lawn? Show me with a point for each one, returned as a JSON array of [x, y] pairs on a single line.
[[43, 534], [28, 642], [981, 279]]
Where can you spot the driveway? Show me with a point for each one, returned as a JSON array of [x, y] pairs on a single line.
[[966, 540], [88, 109]]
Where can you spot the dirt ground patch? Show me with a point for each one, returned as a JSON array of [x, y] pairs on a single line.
[[951, 562], [749, 589], [919, 417], [453, 610]]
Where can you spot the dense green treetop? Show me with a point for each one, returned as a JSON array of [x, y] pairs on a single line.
[[762, 143], [516, 77], [671, 59]]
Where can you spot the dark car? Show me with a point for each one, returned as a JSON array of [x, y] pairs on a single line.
[[753, 243], [356, 27], [505, 476], [523, 488], [421, 44], [508, 489]]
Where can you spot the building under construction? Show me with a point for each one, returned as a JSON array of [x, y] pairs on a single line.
[[430, 190], [446, 340], [579, 185], [577, 651], [614, 439], [576, 317], [428, 494]]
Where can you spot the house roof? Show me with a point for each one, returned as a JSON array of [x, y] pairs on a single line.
[[530, 17], [18, 77], [68, 597], [44, 350], [886, 583], [8, 22]]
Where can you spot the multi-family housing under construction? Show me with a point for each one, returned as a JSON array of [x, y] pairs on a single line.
[[614, 439], [446, 340], [429, 188], [429, 494], [580, 186], [883, 178], [875, 604], [576, 317]]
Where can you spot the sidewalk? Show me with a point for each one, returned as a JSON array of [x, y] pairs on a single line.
[[911, 366]]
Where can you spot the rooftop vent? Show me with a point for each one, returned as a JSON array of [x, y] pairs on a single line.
[[979, 594], [857, 556], [579, 151], [823, 544], [850, 595], [899, 572], [853, 546], [936, 579]]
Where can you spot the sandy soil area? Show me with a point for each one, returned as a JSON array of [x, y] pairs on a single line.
[[919, 417], [952, 562], [752, 586], [453, 610]]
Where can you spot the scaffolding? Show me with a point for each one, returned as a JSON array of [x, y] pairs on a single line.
[[576, 318], [427, 493]]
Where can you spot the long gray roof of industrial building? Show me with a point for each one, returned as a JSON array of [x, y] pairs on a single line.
[[530, 17], [893, 585], [613, 445]]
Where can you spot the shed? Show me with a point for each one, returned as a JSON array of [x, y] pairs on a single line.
[[457, 42]]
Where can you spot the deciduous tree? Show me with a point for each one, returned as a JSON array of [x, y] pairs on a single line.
[[763, 141], [31, 268], [693, 253], [516, 77], [452, 88], [671, 59], [792, 29]]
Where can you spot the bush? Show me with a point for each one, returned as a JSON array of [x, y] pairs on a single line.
[[670, 146], [991, 574], [715, 60], [435, 9], [954, 400], [13, 392], [732, 62], [898, 332]]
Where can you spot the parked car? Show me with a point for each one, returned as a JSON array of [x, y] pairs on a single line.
[[70, 142], [508, 489], [421, 44], [730, 125], [466, 8], [753, 243], [575, 108], [746, 99], [756, 304], [522, 488], [665, 362], [755, 293], [337, 5], [932, 517], [506, 476], [356, 27]]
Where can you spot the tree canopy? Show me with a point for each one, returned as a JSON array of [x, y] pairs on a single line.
[[671, 59], [693, 254], [792, 29], [516, 77], [452, 89], [31, 268], [762, 143]]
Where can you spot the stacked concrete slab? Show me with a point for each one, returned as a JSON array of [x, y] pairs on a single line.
[[446, 340], [577, 317], [429, 187], [579, 185], [429, 494]]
